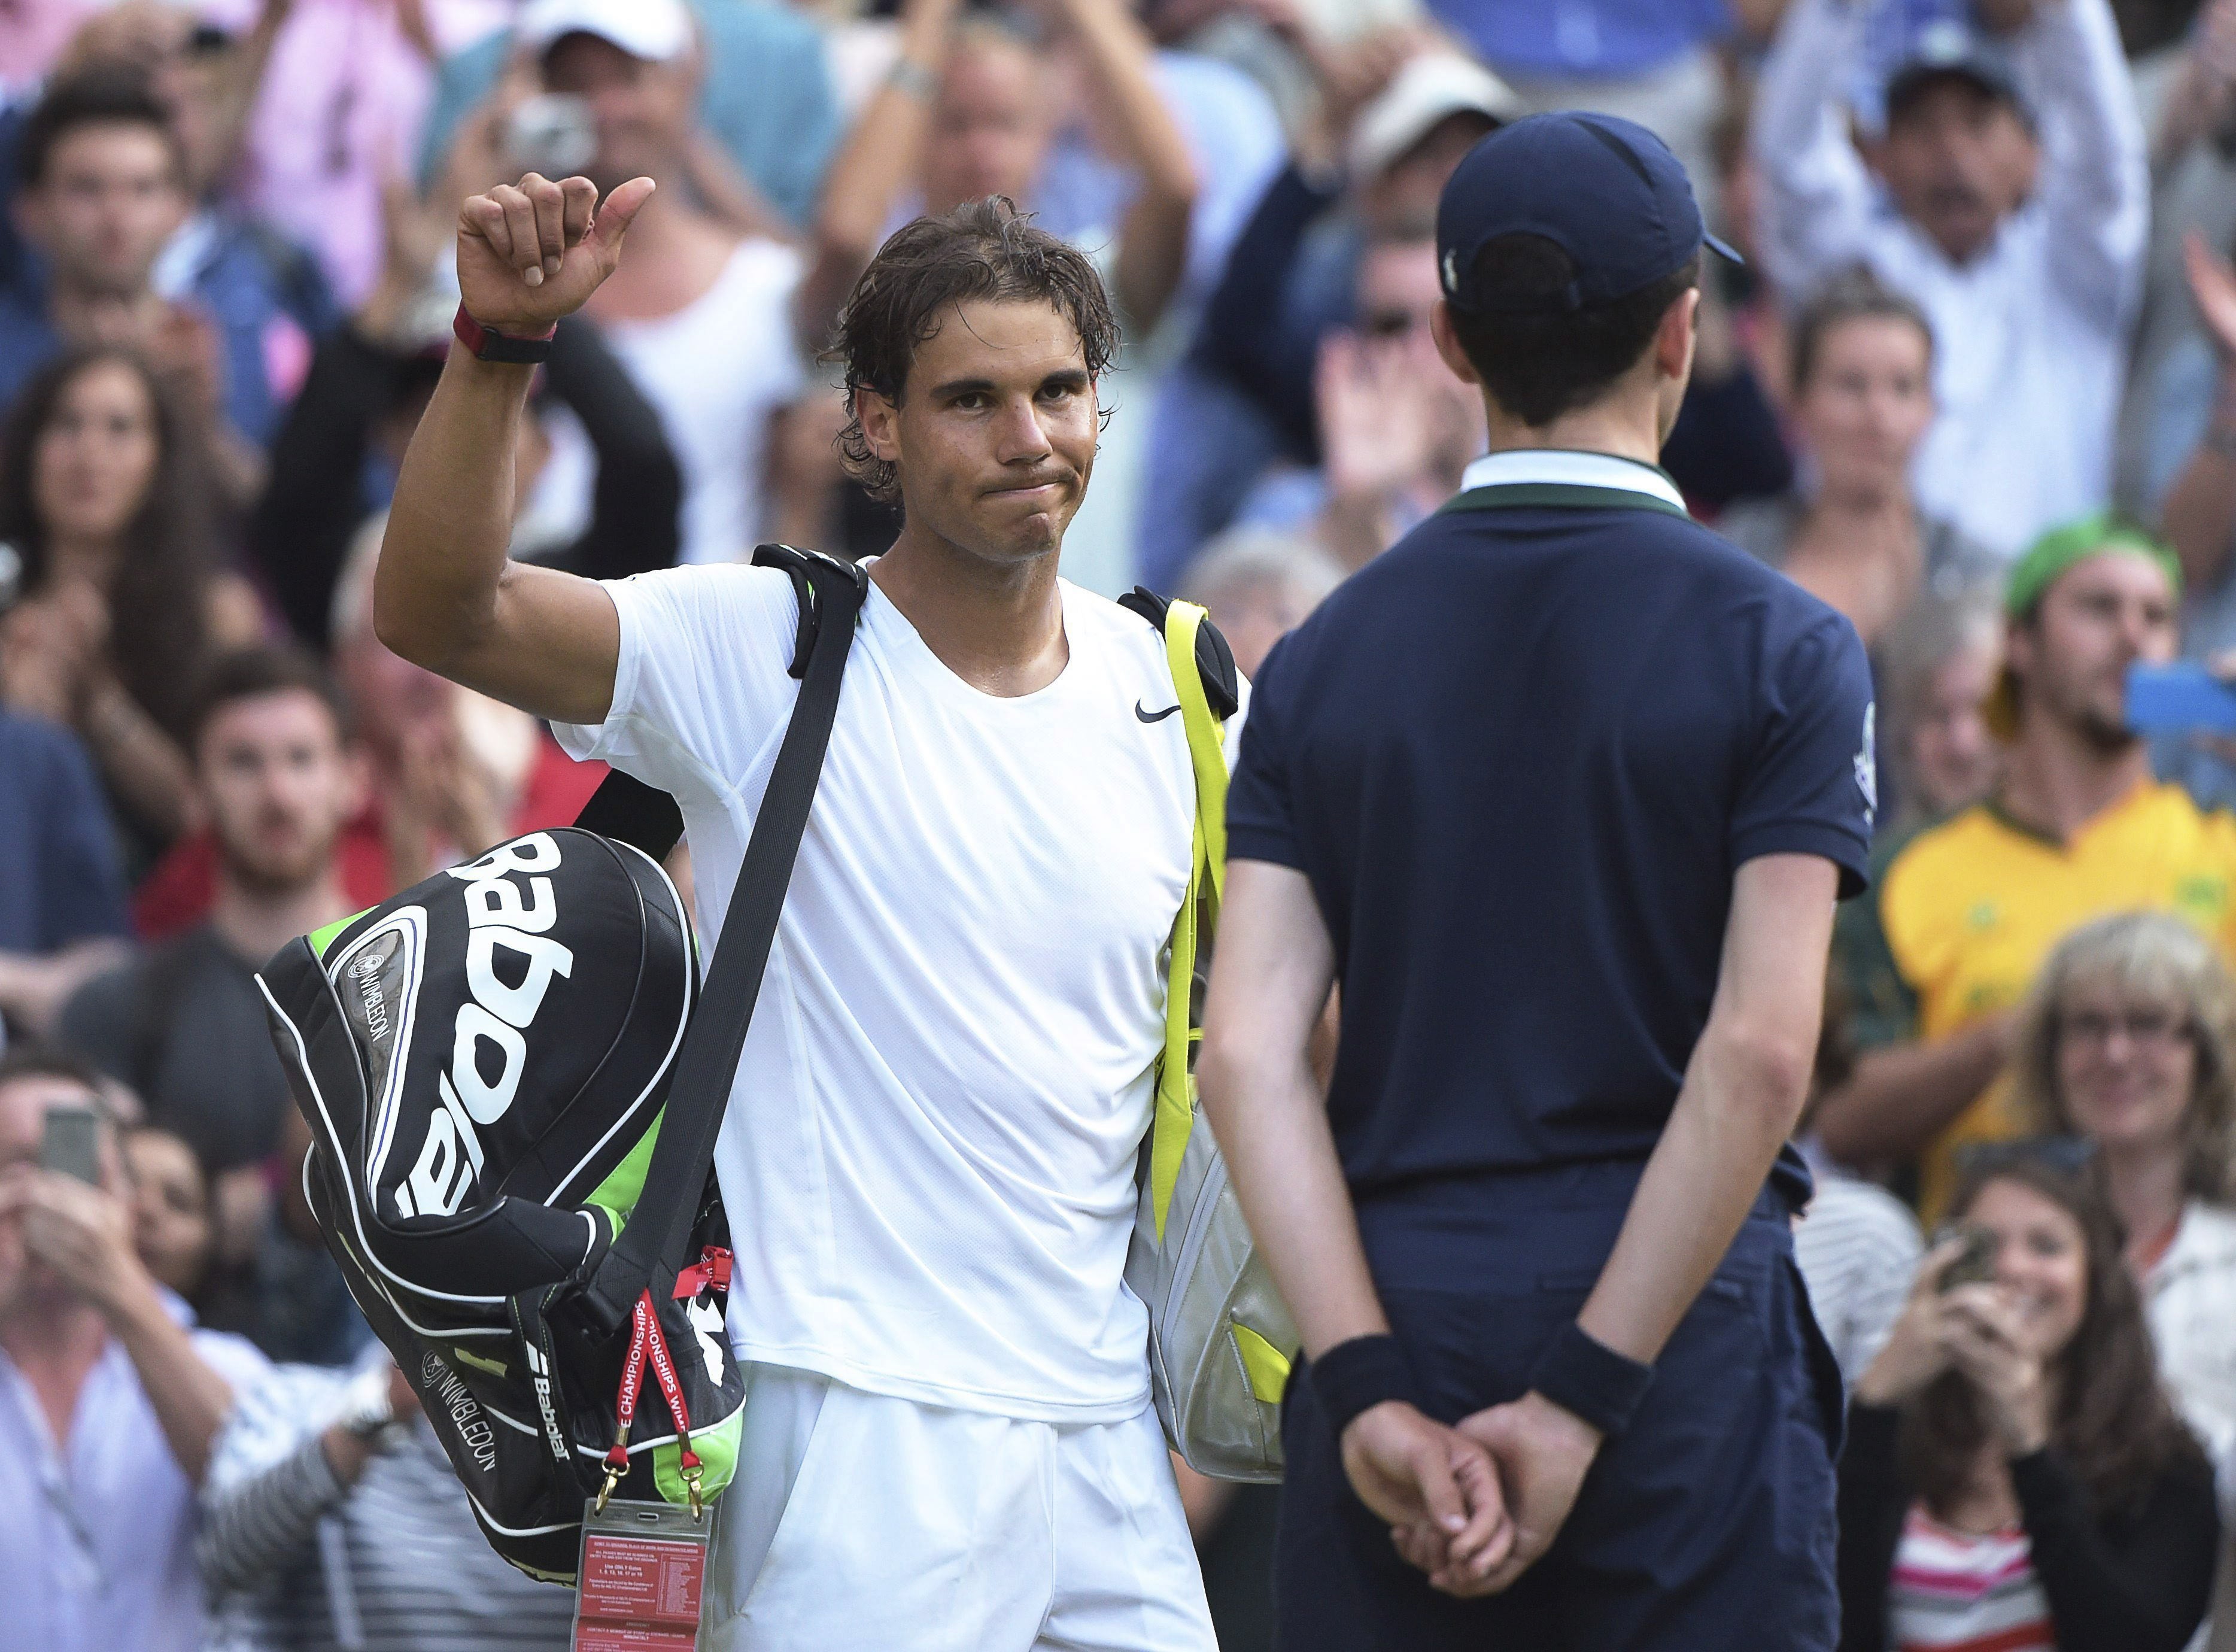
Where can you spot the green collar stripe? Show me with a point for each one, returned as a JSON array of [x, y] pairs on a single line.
[[1561, 494]]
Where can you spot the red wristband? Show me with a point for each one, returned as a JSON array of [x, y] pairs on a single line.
[[486, 344]]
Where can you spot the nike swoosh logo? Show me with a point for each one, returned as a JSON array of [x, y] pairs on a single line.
[[1148, 716]]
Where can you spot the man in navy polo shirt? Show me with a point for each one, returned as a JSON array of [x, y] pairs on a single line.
[[1561, 790]]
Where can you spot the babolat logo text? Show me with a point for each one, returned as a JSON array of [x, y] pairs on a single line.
[[540, 1375], [507, 910], [458, 1400]]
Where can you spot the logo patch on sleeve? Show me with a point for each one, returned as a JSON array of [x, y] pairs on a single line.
[[1867, 764]]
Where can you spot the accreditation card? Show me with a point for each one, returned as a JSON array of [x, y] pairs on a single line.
[[642, 1577]]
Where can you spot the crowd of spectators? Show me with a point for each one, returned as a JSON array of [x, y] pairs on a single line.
[[1974, 386]]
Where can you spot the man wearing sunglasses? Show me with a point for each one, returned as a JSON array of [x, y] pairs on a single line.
[[1397, 430]]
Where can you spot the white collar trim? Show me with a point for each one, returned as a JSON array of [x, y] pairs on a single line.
[[1569, 467]]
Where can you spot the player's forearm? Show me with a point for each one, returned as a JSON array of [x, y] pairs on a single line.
[[1738, 1104], [450, 522], [1901, 1097]]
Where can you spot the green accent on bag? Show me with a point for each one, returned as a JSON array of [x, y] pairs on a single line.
[[718, 1460], [617, 1194], [320, 939]]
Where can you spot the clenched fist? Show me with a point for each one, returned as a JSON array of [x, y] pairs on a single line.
[[533, 252]]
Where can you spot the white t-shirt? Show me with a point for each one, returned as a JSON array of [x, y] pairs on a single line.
[[930, 1152], [716, 370]]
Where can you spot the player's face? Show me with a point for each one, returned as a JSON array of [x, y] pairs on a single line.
[[1867, 403], [275, 781], [1958, 162], [110, 200], [995, 429], [2096, 619]]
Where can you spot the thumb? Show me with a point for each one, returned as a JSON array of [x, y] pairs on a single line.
[[616, 212], [1440, 1489]]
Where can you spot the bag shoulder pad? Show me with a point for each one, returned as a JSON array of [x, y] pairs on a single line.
[[803, 566], [1215, 661]]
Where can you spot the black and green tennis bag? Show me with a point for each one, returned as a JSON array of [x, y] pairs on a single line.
[[514, 1082]]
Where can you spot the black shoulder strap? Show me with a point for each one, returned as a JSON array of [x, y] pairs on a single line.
[[651, 1248], [1215, 661], [626, 810]]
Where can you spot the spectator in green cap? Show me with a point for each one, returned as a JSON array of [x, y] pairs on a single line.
[[2076, 829]]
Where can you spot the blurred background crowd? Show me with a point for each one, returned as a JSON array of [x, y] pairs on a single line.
[[1975, 386]]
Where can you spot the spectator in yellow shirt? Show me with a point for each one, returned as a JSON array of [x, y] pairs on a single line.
[[2076, 829]]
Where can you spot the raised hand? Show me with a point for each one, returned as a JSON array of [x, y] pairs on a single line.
[[1988, 1342], [533, 252], [2212, 284], [1373, 427], [82, 1234], [1917, 1348]]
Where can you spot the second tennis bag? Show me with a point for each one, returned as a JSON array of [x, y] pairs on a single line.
[[1221, 1341], [513, 1101]]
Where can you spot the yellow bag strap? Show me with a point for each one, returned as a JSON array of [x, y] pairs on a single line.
[[1199, 915], [1206, 738]]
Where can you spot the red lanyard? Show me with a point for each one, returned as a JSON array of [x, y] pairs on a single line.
[[647, 1346]]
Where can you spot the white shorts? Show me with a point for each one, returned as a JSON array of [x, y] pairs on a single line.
[[860, 1521]]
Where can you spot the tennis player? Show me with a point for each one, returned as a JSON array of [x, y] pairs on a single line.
[[929, 1157]]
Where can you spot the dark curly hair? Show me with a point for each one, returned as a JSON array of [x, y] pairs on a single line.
[[983, 249], [2113, 1422], [157, 604]]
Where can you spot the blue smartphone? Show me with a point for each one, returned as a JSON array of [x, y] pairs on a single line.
[[2178, 698]]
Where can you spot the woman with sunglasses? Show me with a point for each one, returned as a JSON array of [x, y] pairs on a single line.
[[2129, 1042], [2015, 1475]]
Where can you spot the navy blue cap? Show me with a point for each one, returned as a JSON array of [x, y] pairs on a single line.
[[1604, 190], [1946, 50]]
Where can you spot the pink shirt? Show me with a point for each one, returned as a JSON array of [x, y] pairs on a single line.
[[339, 113]]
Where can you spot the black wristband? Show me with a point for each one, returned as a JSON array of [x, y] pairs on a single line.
[[1584, 1376], [1357, 1375]]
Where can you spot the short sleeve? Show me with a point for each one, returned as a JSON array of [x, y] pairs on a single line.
[[1260, 823], [702, 679], [1810, 782]]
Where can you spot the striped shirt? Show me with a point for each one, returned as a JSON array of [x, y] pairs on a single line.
[[1857, 1248], [395, 1564], [1957, 1591]]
